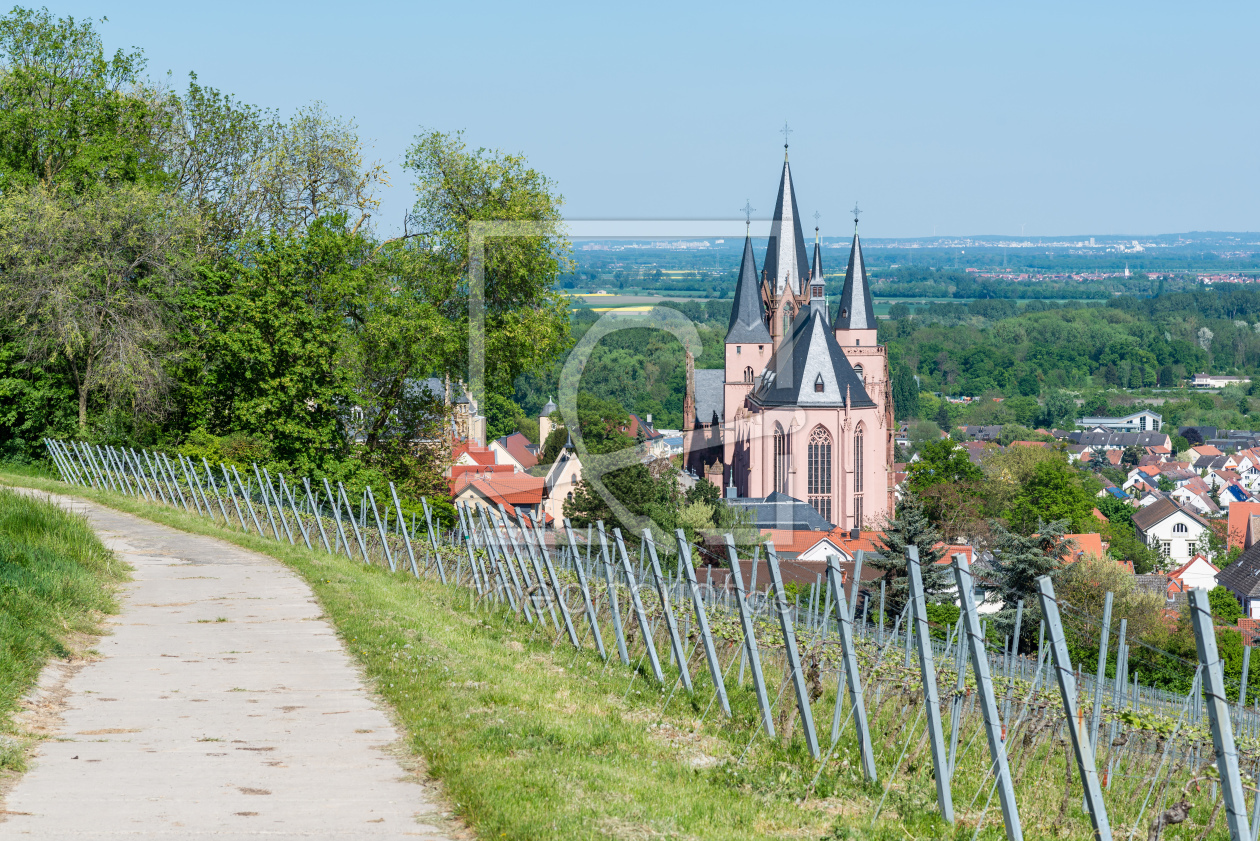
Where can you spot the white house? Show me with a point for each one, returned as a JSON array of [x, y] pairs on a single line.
[[1136, 422], [1177, 533], [563, 475]]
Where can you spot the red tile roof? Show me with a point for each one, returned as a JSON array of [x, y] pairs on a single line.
[[518, 446], [1236, 525]]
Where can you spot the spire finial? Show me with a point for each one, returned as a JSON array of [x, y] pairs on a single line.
[[786, 131], [816, 217], [748, 212], [856, 213]]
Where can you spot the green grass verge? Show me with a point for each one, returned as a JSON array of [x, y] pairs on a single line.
[[532, 740], [56, 581]]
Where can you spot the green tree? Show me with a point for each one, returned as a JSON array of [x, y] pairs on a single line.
[[1060, 411], [93, 285], [501, 415], [1018, 561], [276, 340], [941, 461], [911, 527], [1225, 607], [460, 196], [1052, 493], [905, 393], [72, 118]]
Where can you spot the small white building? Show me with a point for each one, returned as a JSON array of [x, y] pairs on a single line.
[[1175, 532], [562, 477]]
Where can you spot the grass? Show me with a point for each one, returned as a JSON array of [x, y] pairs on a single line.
[[56, 582], [531, 739]]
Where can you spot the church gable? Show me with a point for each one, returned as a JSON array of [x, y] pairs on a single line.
[[810, 369]]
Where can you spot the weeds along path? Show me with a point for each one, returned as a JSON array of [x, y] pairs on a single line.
[[223, 705]]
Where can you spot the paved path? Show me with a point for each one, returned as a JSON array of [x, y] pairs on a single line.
[[224, 706]]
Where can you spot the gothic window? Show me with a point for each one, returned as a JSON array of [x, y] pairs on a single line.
[[748, 374], [861, 373], [819, 487], [857, 512], [858, 438], [782, 459]]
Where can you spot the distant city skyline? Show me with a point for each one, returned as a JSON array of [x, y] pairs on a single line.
[[941, 119]]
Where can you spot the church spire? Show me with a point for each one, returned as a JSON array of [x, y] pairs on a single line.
[[817, 279], [748, 314], [857, 310], [786, 258]]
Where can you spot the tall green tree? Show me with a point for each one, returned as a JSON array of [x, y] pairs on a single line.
[[911, 527], [72, 117], [1018, 561], [1052, 493]]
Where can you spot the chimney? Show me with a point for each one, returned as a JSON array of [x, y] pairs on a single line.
[[649, 421]]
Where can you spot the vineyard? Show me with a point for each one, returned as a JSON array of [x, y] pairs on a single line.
[[901, 727]]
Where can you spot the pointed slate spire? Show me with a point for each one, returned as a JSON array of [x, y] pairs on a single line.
[[786, 259], [818, 281], [857, 310], [748, 315]]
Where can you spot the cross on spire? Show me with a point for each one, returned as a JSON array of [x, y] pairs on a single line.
[[748, 212], [785, 131], [856, 213], [816, 216]]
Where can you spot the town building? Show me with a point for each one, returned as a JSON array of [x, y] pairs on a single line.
[[1143, 421], [1177, 533]]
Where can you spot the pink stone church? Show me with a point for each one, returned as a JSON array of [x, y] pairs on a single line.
[[804, 407]]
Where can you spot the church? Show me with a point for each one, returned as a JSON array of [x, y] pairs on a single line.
[[803, 408]]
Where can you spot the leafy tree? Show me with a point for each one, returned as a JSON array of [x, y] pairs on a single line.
[[93, 284], [501, 415], [1193, 437], [276, 339], [1054, 493], [941, 461], [1225, 607], [1131, 456], [911, 527], [460, 196], [942, 417], [70, 116], [1060, 411]]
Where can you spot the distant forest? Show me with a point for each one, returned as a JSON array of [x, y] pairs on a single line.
[[1119, 352]]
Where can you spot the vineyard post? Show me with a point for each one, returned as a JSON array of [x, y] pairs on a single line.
[[437, 555], [591, 617], [249, 506], [1102, 672], [793, 656], [1218, 716], [858, 558], [466, 528], [1082, 747], [611, 583], [354, 526], [506, 575], [1117, 685], [267, 502], [637, 603], [522, 582], [702, 620], [927, 671], [750, 639], [555, 584], [1242, 685], [335, 504], [214, 486], [319, 519], [984, 685], [671, 624], [857, 702]]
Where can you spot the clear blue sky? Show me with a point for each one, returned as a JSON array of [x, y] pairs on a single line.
[[963, 118]]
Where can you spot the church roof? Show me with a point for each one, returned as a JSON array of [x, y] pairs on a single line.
[[710, 394], [780, 511], [857, 310], [786, 257], [748, 315], [807, 355]]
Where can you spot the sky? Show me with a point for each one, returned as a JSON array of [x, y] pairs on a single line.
[[1044, 119]]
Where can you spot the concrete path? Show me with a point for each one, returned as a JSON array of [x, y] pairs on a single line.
[[224, 706]]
